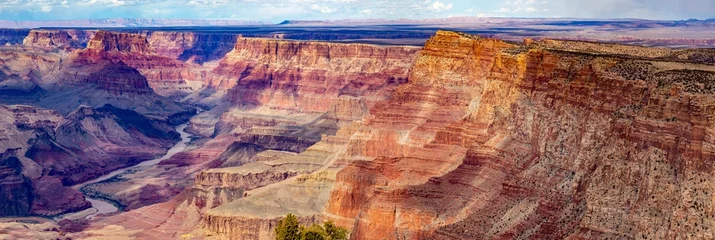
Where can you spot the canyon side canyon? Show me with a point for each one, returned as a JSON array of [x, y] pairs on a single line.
[[464, 137]]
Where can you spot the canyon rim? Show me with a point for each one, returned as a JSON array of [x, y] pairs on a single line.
[[439, 128]]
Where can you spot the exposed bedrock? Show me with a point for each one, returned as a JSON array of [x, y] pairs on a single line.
[[48, 152], [164, 73], [58, 39], [311, 77], [490, 140]]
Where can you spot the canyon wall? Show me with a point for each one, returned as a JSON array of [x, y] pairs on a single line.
[[255, 144], [467, 138], [509, 141], [311, 77], [58, 39], [46, 152]]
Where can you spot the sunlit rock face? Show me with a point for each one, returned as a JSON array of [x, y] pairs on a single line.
[[492, 140], [311, 76], [259, 143], [58, 39], [466, 138]]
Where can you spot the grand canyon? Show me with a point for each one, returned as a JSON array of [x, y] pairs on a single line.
[[432, 129]]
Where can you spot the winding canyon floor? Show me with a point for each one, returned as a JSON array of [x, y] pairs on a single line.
[[184, 133]]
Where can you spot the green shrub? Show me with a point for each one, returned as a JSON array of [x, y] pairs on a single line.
[[288, 228]]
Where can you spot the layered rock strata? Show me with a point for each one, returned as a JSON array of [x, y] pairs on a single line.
[[47, 152], [311, 77], [58, 39], [257, 144], [533, 143]]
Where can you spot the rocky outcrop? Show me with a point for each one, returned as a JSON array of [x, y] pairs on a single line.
[[492, 140], [310, 76], [248, 228], [118, 78], [195, 47], [166, 75], [118, 41], [28, 189], [15, 194], [58, 39], [47, 152], [113, 69]]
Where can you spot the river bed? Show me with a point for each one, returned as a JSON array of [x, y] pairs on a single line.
[[100, 206]]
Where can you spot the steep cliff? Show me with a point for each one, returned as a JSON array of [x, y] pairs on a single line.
[[48, 152], [468, 138], [506, 141], [166, 75], [27, 188], [311, 76], [118, 41], [195, 47], [15, 194], [256, 144], [58, 39]]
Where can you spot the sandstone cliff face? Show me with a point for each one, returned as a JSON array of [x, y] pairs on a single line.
[[311, 76], [15, 194], [27, 188], [26, 66], [115, 78], [489, 140], [48, 152], [167, 76], [196, 47], [58, 39], [118, 41]]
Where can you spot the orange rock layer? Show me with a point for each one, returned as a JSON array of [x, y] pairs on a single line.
[[490, 140], [311, 76]]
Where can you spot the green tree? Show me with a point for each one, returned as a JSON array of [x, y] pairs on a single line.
[[335, 232], [314, 232], [288, 228]]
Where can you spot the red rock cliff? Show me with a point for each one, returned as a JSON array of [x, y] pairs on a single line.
[[51, 39], [118, 41], [311, 76], [490, 140], [166, 76]]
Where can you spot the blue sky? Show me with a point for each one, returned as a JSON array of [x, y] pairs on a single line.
[[278, 10]]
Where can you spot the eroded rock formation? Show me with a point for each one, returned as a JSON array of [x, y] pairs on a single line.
[[467, 138], [46, 153], [536, 143], [58, 39]]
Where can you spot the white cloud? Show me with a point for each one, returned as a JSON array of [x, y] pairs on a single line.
[[46, 8], [440, 6], [322, 9], [366, 12]]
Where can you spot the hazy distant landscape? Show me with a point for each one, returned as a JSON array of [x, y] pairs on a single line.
[[674, 34]]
